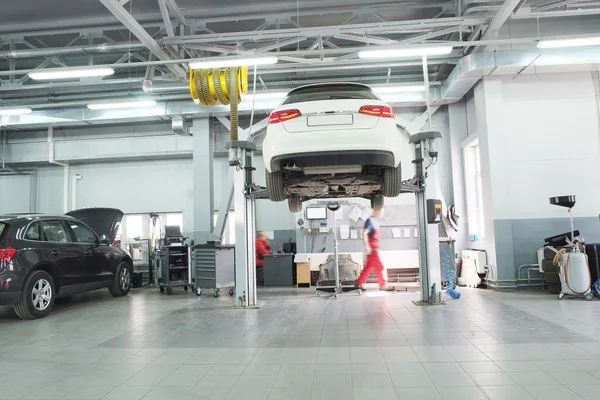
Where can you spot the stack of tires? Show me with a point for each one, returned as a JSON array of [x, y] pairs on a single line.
[[551, 273]]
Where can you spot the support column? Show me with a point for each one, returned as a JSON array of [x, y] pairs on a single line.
[[203, 176]]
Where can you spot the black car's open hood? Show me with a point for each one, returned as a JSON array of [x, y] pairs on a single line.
[[105, 221]]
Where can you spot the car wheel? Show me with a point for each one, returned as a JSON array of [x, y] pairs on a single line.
[[38, 296], [275, 186], [122, 284], [295, 204], [392, 182], [377, 202]]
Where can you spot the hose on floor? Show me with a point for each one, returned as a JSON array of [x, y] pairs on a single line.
[[228, 87], [449, 268]]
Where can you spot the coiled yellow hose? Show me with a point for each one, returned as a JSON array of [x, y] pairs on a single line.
[[228, 87]]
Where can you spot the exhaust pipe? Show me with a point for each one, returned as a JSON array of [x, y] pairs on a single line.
[[284, 164], [292, 164]]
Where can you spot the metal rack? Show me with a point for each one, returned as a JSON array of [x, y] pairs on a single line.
[[215, 268], [175, 267]]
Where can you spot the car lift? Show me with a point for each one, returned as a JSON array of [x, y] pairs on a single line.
[[428, 215]]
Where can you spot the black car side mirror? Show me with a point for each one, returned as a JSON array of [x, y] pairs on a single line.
[[104, 240]]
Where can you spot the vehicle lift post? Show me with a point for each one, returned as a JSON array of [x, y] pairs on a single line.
[[429, 256], [240, 157]]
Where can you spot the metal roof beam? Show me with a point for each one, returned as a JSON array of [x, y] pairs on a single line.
[[138, 31], [501, 16], [413, 26], [166, 18], [177, 12], [552, 4], [365, 39], [430, 35]]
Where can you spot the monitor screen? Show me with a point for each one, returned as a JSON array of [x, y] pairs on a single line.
[[316, 213]]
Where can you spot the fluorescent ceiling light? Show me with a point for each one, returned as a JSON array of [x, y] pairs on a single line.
[[575, 42], [224, 62], [70, 73], [15, 111], [121, 104], [398, 89], [266, 95], [406, 52]]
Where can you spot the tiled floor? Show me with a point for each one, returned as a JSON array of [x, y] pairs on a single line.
[[485, 345]]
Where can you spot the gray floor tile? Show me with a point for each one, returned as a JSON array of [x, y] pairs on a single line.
[[375, 393], [442, 367], [333, 369], [366, 355], [406, 368], [333, 380], [331, 355], [534, 378], [300, 369], [249, 393], [492, 379], [451, 379], [518, 366], [552, 393], [227, 369], [218, 381], [238, 356], [329, 393], [372, 381], [86, 392], [412, 380], [557, 365], [262, 369], [48, 393], [293, 380], [575, 378], [367, 369], [252, 381], [462, 393], [301, 356], [180, 380], [166, 393], [418, 394], [506, 393], [207, 393], [127, 392], [586, 392], [289, 393], [480, 366]]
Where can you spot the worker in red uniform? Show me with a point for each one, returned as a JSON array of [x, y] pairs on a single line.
[[263, 248], [372, 238]]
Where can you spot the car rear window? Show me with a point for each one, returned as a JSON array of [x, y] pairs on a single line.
[[330, 92]]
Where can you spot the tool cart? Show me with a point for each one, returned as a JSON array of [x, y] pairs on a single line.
[[215, 268]]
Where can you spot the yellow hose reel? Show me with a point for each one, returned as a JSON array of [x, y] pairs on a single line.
[[229, 87]]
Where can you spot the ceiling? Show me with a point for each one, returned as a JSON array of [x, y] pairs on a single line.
[[65, 33]]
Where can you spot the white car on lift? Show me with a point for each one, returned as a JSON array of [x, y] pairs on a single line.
[[330, 141]]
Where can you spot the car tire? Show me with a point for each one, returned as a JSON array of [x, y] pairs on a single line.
[[122, 283], [275, 186], [392, 182], [377, 202], [32, 306], [295, 204]]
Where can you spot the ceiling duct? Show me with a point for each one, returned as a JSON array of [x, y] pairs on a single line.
[[468, 71], [181, 126]]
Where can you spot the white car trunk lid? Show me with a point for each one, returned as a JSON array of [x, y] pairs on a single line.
[[330, 115]]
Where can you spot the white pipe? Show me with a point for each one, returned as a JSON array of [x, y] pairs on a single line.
[[75, 178], [51, 160]]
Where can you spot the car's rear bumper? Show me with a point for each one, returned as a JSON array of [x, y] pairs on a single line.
[[336, 158], [9, 298]]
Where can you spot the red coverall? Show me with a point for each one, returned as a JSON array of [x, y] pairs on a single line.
[[262, 249], [373, 261]]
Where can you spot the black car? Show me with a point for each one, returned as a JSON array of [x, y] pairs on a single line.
[[43, 257]]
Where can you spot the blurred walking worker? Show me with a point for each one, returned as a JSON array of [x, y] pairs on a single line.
[[372, 239]]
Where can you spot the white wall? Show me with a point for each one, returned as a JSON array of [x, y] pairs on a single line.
[[15, 193], [554, 136]]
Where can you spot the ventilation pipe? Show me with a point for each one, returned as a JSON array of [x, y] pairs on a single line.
[[65, 169]]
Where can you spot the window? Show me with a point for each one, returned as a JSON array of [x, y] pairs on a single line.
[[54, 232], [229, 233], [134, 226], [330, 92], [474, 190], [175, 220], [33, 232], [82, 233]]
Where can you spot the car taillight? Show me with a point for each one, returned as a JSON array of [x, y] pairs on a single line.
[[283, 115], [377, 111], [117, 243], [6, 256]]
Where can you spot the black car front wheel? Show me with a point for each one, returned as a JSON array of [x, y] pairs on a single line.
[[37, 299], [122, 284]]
